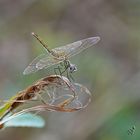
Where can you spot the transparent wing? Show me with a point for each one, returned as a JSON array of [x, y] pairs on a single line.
[[40, 62], [76, 47], [31, 68], [47, 62]]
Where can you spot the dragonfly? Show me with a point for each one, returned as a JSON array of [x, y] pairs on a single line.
[[62, 95], [59, 55]]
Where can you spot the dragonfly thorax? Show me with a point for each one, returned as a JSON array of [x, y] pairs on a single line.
[[58, 53]]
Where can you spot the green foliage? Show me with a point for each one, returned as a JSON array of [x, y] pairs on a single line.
[[25, 120]]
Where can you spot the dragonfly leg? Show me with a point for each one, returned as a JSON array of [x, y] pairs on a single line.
[[59, 69], [69, 74], [65, 64], [71, 77]]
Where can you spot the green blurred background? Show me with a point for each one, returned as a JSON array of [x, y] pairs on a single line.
[[111, 70]]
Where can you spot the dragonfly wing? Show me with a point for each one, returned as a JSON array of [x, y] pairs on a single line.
[[39, 63], [47, 62], [32, 66], [78, 46]]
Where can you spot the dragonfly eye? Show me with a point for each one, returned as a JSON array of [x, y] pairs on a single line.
[[72, 68]]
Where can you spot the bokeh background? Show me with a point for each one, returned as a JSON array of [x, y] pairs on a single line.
[[111, 70]]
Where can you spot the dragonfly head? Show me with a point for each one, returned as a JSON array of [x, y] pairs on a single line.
[[72, 68]]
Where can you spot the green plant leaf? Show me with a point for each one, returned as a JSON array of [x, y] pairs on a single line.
[[26, 120]]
